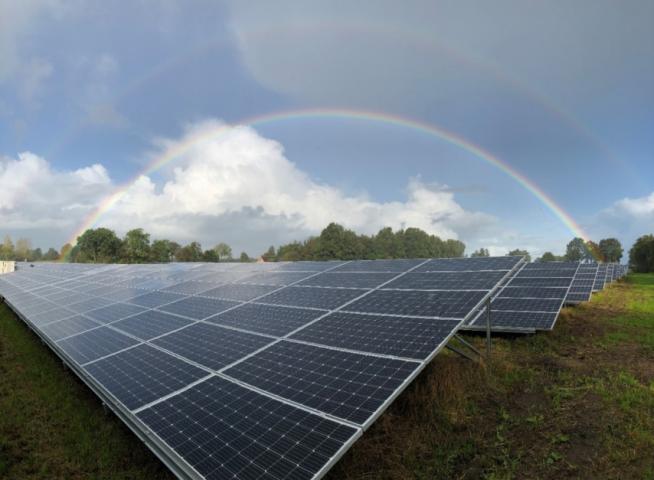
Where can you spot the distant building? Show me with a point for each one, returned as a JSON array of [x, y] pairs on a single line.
[[7, 267]]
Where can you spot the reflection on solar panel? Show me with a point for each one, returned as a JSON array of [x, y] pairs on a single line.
[[255, 371]]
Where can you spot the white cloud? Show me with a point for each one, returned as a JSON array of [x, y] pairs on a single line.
[[229, 184], [627, 219]]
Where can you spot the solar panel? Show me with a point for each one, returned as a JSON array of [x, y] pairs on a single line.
[[531, 300], [252, 371], [582, 285]]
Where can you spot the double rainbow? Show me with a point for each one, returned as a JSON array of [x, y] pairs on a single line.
[[337, 113]]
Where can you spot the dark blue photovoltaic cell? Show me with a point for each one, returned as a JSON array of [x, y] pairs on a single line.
[[313, 297], [348, 385], [143, 374], [533, 292], [242, 292], [540, 282], [276, 278], [114, 312], [91, 345], [447, 280], [379, 265], [190, 288], [50, 315], [210, 345], [156, 299], [547, 273], [399, 336], [271, 440], [521, 320], [68, 327], [530, 305], [460, 264], [198, 307], [453, 304], [349, 279], [88, 305], [266, 319], [150, 324]]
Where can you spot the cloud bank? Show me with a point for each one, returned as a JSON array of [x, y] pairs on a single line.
[[235, 186]]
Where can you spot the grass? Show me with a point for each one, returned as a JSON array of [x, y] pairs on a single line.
[[577, 402]]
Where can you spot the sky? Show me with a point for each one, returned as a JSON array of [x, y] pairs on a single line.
[[504, 124]]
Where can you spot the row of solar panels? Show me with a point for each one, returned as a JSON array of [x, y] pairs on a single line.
[[268, 370], [532, 298], [250, 370]]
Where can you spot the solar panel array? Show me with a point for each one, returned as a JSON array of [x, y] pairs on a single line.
[[531, 299], [582, 285], [251, 370]]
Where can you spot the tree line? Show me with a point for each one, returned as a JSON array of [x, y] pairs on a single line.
[[102, 245]]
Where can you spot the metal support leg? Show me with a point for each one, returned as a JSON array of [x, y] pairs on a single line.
[[488, 329]]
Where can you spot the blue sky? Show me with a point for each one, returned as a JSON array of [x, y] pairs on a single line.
[[563, 92]]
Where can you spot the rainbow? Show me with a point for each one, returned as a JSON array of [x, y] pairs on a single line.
[[338, 113]]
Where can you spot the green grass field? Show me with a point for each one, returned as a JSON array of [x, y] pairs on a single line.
[[577, 402]]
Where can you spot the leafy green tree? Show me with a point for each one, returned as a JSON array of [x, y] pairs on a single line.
[[190, 253], [244, 257], [223, 251], [51, 255], [160, 251], [99, 245], [36, 255], [291, 252], [578, 250], [610, 249], [23, 249], [641, 255], [210, 256], [7, 249], [174, 249], [66, 253], [522, 253], [417, 243], [547, 257], [270, 255], [482, 252], [136, 246], [454, 248]]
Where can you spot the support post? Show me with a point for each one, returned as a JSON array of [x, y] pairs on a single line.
[[488, 329]]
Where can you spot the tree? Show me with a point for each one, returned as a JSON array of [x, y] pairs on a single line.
[[454, 248], [161, 251], [210, 256], [136, 246], [577, 250], [51, 255], [23, 249], [270, 255], [7, 249], [244, 257], [482, 252], [547, 257], [223, 251], [522, 253], [610, 249], [417, 243], [641, 255], [36, 255], [99, 245], [190, 253], [66, 253]]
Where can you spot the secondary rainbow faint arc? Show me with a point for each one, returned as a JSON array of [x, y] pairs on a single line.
[[325, 113]]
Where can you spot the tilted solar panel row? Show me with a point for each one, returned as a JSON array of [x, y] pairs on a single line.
[[251, 371]]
